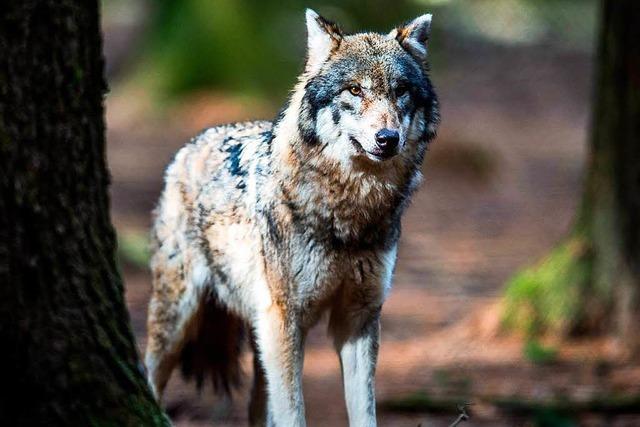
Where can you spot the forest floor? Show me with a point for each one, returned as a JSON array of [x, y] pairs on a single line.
[[502, 182]]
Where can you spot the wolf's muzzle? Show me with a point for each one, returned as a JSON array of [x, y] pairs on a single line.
[[387, 143]]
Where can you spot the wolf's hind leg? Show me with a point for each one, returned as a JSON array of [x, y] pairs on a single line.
[[172, 309]]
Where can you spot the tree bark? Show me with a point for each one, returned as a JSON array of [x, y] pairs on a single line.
[[68, 352], [611, 206], [593, 277]]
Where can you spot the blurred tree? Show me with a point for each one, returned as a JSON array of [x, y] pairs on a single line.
[[591, 282], [68, 352]]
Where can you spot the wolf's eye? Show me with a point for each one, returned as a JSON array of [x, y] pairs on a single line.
[[401, 90], [355, 90]]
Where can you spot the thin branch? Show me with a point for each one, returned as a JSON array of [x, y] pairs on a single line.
[[464, 416]]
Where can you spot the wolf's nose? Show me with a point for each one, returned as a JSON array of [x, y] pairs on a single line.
[[387, 139]]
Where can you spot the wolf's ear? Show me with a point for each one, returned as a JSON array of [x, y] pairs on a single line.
[[323, 37], [413, 36]]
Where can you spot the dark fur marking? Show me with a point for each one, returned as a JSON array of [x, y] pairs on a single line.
[[267, 136], [370, 42], [326, 144], [332, 29], [233, 160], [273, 229], [335, 114], [346, 106], [370, 266]]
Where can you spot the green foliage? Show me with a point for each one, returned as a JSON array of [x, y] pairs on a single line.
[[257, 48], [133, 248], [199, 43], [252, 48], [539, 354], [551, 296]]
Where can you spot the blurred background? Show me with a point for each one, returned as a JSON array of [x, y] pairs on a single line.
[[503, 180]]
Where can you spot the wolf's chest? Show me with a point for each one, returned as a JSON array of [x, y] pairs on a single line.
[[316, 270]]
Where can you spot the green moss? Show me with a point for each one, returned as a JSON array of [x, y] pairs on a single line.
[[550, 297]]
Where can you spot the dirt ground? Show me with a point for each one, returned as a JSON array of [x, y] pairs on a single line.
[[502, 182]]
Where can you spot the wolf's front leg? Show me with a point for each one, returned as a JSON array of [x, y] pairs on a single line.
[[356, 337], [280, 341]]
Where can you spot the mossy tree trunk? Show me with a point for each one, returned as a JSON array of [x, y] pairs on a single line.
[[68, 353], [591, 282]]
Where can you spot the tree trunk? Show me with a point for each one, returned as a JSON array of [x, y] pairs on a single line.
[[68, 352], [612, 197], [591, 282]]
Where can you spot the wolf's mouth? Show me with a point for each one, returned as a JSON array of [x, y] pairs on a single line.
[[373, 156], [357, 145]]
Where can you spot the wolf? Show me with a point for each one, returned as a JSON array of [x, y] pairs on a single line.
[[264, 226]]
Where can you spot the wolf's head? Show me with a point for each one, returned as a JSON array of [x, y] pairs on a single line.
[[366, 99]]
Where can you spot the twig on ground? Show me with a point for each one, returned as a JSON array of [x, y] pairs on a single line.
[[463, 415]]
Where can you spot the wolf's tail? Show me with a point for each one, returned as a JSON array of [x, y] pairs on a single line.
[[214, 350]]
